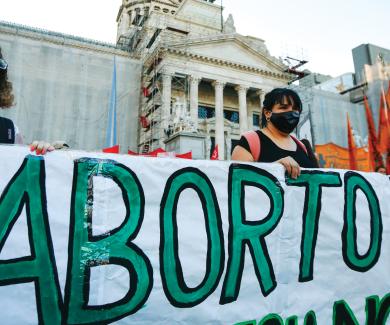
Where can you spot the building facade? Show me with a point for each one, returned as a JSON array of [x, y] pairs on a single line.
[[203, 83], [366, 56], [62, 86]]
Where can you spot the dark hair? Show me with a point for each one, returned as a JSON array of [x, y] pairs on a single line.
[[277, 96], [6, 96], [310, 153], [379, 167]]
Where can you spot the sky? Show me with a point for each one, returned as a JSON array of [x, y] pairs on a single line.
[[321, 31]]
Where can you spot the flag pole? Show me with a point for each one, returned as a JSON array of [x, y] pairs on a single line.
[[221, 16]]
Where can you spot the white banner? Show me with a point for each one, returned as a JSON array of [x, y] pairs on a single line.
[[89, 237]]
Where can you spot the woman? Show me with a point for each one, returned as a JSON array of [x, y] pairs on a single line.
[[9, 132], [273, 143]]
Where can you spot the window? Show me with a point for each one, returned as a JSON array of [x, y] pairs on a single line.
[[231, 116], [256, 119], [205, 112], [137, 20]]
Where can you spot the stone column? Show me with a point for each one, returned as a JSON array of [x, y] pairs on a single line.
[[194, 100], [126, 21], [242, 90], [132, 14], [219, 119], [261, 94], [228, 146], [166, 104]]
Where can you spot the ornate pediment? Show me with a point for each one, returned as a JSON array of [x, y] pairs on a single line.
[[232, 48]]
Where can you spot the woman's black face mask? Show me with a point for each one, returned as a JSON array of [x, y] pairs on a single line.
[[285, 122]]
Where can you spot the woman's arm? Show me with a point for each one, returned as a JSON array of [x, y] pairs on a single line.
[[241, 154]]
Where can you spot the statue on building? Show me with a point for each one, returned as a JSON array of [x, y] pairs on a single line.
[[228, 146], [228, 26], [208, 146]]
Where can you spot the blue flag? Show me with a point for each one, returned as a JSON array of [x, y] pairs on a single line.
[[111, 138]]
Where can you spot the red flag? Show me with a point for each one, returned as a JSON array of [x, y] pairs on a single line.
[[388, 98], [388, 130], [351, 147], [215, 156], [187, 155], [145, 91], [156, 152], [114, 149], [384, 128], [374, 154], [388, 160], [144, 122], [132, 153]]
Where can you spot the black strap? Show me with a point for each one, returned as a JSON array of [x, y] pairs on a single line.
[[7, 131]]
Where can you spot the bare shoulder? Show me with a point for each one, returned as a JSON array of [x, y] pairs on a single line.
[[241, 154]]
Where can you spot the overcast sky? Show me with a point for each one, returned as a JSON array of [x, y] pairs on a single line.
[[321, 31]]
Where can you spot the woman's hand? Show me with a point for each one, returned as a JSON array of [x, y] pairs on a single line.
[[41, 147], [292, 167]]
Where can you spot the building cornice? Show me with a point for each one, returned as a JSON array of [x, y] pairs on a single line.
[[229, 37], [62, 39], [230, 64], [149, 2], [119, 13]]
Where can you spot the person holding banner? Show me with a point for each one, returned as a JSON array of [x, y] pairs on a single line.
[[381, 170], [9, 132], [282, 108]]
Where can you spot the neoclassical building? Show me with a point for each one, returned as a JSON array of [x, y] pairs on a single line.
[[202, 82]]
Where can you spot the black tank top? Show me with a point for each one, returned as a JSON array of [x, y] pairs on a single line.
[[7, 131], [270, 152]]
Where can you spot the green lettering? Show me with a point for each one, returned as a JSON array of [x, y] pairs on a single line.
[[250, 233], [310, 319], [377, 311], [27, 187], [271, 319], [116, 247], [178, 293], [372, 308], [313, 182], [343, 315], [361, 263]]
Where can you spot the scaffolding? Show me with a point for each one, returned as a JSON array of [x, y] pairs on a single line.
[[151, 115], [150, 37]]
